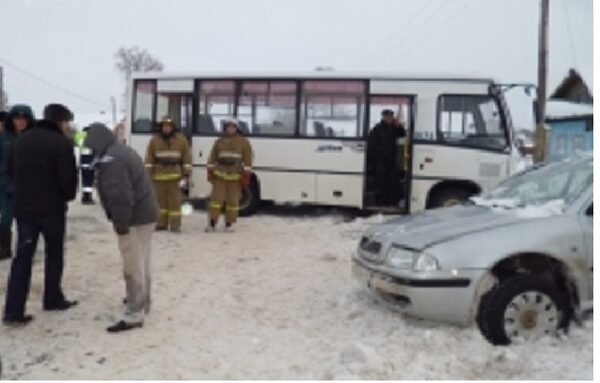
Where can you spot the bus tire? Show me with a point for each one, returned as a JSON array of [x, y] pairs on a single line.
[[250, 201], [449, 196]]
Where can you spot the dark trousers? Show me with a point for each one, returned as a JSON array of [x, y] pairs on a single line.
[[28, 232], [386, 182], [6, 211], [87, 172]]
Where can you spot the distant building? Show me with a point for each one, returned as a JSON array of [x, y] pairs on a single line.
[[571, 128], [573, 88], [570, 115]]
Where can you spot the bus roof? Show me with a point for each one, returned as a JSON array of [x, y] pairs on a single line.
[[314, 75]]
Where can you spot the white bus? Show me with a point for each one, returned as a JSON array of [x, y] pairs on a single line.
[[309, 133]]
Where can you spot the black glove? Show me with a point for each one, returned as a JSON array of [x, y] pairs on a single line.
[[122, 230]]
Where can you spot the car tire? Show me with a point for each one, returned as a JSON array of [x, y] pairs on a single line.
[[449, 196], [250, 201], [512, 298]]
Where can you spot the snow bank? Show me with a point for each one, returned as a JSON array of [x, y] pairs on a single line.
[[272, 301], [511, 206], [504, 203], [550, 208]]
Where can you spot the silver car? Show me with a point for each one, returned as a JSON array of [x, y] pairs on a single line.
[[518, 260]]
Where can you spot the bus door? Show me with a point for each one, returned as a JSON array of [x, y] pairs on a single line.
[[395, 194], [174, 99]]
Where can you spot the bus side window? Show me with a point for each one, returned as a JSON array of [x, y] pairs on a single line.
[[268, 107], [216, 105], [332, 109], [471, 120], [144, 107]]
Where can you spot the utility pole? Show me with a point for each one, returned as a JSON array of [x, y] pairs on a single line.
[[541, 140], [113, 103], [2, 106]]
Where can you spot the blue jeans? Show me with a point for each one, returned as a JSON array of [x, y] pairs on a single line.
[[28, 232]]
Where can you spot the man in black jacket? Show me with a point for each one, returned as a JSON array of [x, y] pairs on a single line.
[[43, 169], [382, 147]]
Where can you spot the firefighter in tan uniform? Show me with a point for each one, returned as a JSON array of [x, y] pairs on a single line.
[[229, 170], [169, 161]]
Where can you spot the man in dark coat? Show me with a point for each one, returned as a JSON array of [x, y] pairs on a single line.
[[127, 196], [44, 173], [19, 119], [382, 147]]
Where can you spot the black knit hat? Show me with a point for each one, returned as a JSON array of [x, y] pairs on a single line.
[[57, 113]]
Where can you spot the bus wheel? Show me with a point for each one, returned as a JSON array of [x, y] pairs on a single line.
[[250, 201], [449, 196]]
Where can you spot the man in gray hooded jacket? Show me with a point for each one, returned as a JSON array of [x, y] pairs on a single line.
[[127, 196]]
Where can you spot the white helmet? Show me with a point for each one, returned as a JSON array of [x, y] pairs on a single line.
[[231, 121]]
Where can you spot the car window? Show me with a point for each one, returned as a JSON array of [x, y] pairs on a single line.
[[564, 180]]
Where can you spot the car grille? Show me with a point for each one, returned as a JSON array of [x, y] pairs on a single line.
[[371, 250]]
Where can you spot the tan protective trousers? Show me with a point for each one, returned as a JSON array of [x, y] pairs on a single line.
[[169, 200], [228, 193]]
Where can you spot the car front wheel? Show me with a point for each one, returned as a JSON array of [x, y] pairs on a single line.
[[523, 307]]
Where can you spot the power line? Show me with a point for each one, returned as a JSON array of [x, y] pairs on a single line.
[[415, 32], [51, 85], [434, 31], [393, 36], [569, 30]]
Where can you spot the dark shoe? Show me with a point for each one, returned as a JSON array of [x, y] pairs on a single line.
[[87, 199], [123, 326], [16, 320], [160, 228], [62, 306]]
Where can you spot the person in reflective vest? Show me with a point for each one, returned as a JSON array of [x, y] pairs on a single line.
[[229, 169], [169, 161], [85, 164]]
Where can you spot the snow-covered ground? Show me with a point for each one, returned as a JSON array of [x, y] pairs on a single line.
[[274, 300]]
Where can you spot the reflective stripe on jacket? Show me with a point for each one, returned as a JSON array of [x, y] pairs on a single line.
[[168, 159]]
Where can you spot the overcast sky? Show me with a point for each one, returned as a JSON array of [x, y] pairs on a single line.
[[71, 43]]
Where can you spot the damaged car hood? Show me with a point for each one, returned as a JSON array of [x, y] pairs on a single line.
[[431, 227]]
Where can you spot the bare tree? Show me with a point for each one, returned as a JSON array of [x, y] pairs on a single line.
[[135, 59]]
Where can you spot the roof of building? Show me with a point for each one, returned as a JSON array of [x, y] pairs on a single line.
[[562, 110]]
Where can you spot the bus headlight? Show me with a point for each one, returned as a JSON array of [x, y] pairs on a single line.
[[400, 258], [426, 262]]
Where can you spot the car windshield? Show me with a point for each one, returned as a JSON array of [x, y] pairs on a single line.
[[563, 181]]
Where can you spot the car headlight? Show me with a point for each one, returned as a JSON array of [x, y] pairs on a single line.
[[426, 262], [400, 258]]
